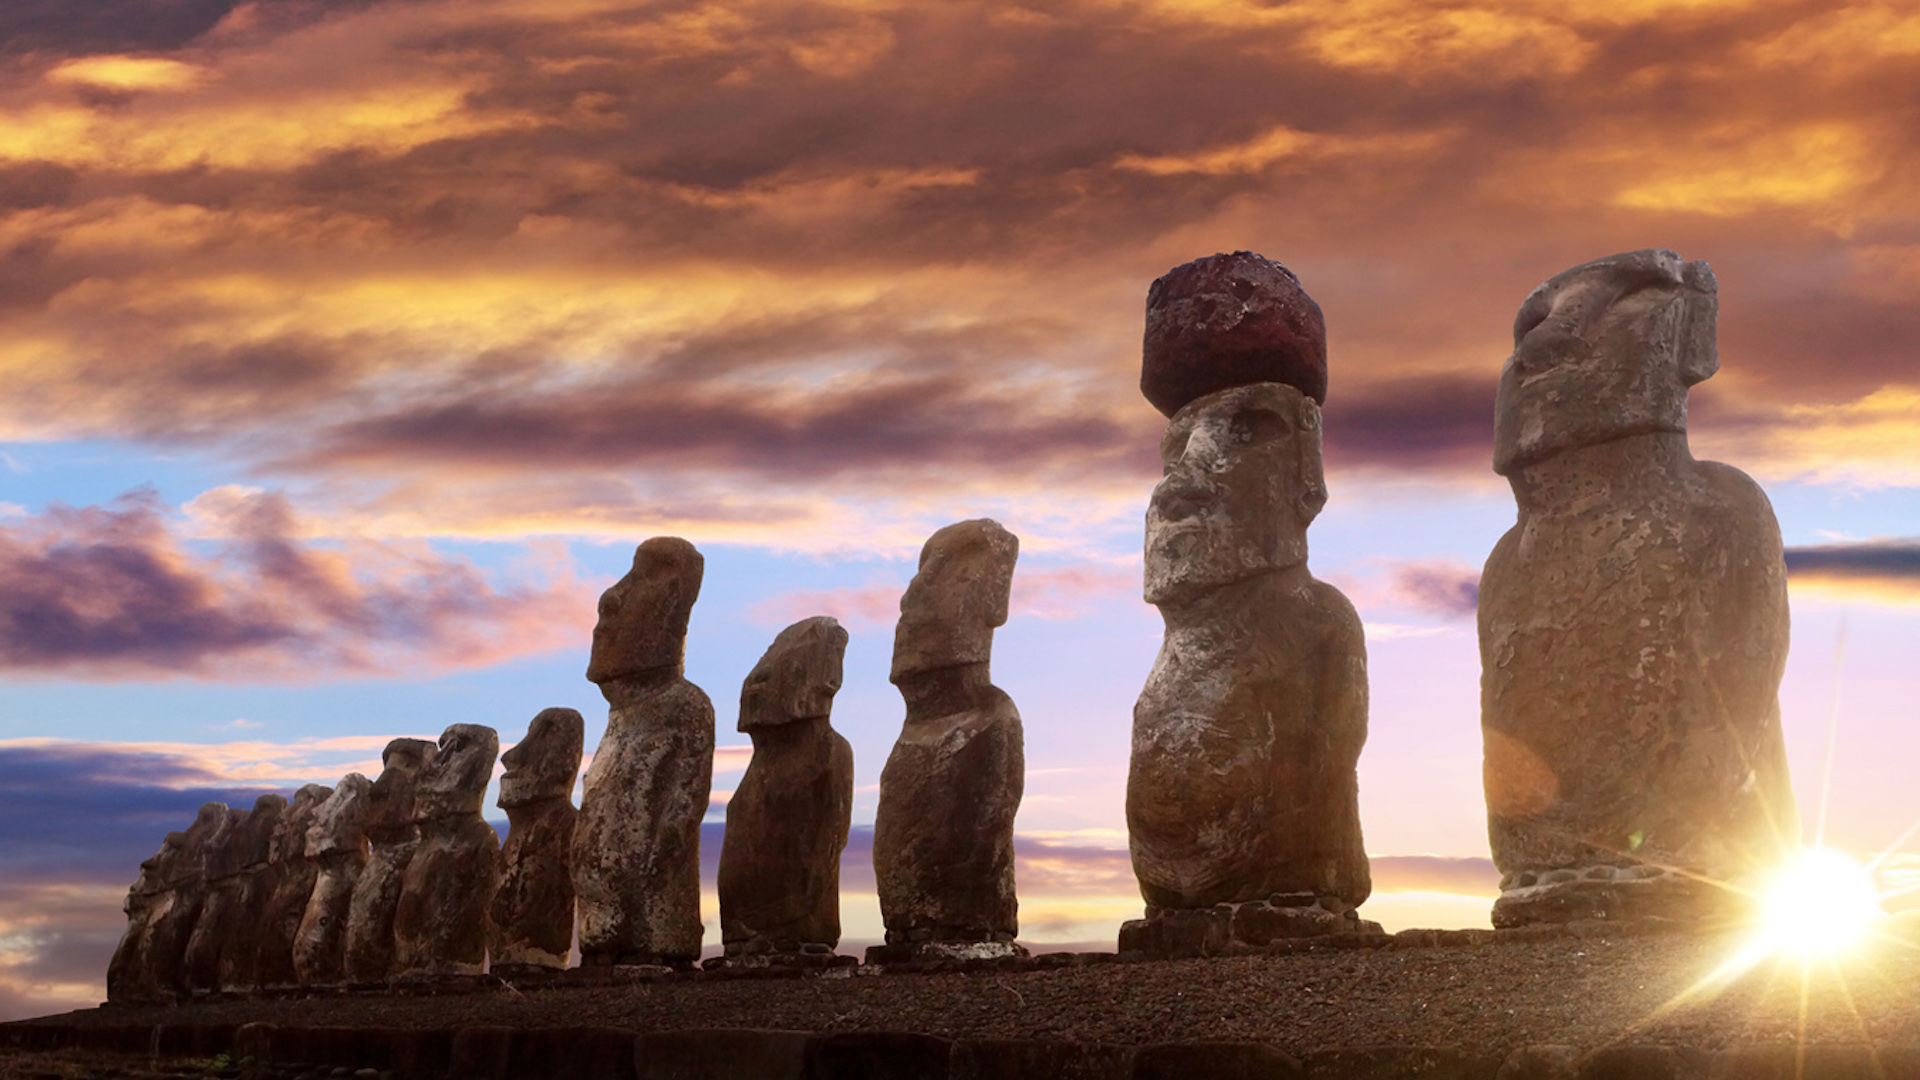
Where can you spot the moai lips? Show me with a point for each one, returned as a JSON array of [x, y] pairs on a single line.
[[337, 842], [1633, 623], [392, 838], [943, 831], [787, 822], [636, 846], [532, 915], [440, 923], [1242, 786]]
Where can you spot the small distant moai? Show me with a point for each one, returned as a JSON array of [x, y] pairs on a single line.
[[532, 923], [337, 842], [224, 902], [1243, 812], [787, 822], [1633, 623], [127, 974], [239, 926], [440, 923], [286, 887], [943, 830], [636, 847], [392, 838], [173, 923]]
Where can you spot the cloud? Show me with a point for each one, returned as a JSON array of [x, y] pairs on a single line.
[[1051, 593], [1886, 571], [1443, 588], [118, 591]]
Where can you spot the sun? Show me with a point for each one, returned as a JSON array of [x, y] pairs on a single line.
[[1821, 904]]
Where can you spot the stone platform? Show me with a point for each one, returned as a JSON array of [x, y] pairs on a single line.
[[1239, 929]]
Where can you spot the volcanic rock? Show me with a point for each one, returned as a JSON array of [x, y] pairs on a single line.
[[532, 918], [636, 847], [943, 831], [392, 838], [337, 842], [440, 923], [127, 980], [787, 821], [1226, 321], [174, 919], [284, 889], [239, 927], [1633, 623], [224, 896]]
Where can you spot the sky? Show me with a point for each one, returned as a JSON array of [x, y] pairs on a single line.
[[349, 347]]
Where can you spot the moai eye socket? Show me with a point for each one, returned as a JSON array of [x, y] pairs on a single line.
[[1173, 446], [1256, 426]]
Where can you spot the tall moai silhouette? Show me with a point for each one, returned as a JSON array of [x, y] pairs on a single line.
[[128, 979], [1633, 622], [787, 822], [1243, 810], [337, 842], [440, 921], [392, 838], [636, 846], [238, 926], [943, 830], [286, 886], [173, 922], [224, 895], [532, 915]]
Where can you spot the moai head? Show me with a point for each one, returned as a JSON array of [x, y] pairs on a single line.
[[643, 617], [256, 832], [543, 766], [455, 782], [157, 869], [797, 677], [207, 831], [289, 842], [340, 822], [952, 605], [227, 849], [390, 800], [1603, 350]]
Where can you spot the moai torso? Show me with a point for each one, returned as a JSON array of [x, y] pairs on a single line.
[[943, 830], [392, 838], [440, 922], [636, 845], [532, 921], [225, 900], [337, 842], [787, 822], [1242, 789], [1633, 623], [239, 929], [286, 886]]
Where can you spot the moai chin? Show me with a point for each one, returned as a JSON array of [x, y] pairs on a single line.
[[392, 838], [225, 901], [440, 923], [787, 822], [943, 831], [337, 842], [127, 981], [239, 929], [286, 886], [532, 919], [636, 845], [1242, 800], [1633, 622]]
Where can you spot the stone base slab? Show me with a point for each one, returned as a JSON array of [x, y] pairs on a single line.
[[1610, 894], [934, 952], [1227, 929]]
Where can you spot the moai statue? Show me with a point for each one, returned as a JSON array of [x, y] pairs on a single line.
[[179, 911], [943, 832], [337, 841], [787, 822], [440, 923], [1633, 623], [532, 918], [1243, 812], [393, 838], [127, 981], [239, 927], [636, 848], [225, 902], [285, 888]]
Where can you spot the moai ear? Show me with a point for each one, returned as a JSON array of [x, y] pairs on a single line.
[[1313, 476]]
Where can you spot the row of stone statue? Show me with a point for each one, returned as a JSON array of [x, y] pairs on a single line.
[[1633, 631], [400, 878]]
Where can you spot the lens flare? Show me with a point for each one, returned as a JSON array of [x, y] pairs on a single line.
[[1821, 904]]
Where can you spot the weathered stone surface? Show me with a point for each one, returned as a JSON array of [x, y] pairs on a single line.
[[127, 974], [1245, 739], [224, 893], [636, 846], [787, 821], [392, 838], [1633, 623], [440, 923], [286, 885], [532, 914], [1230, 320], [337, 843], [173, 919], [943, 830], [239, 930]]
